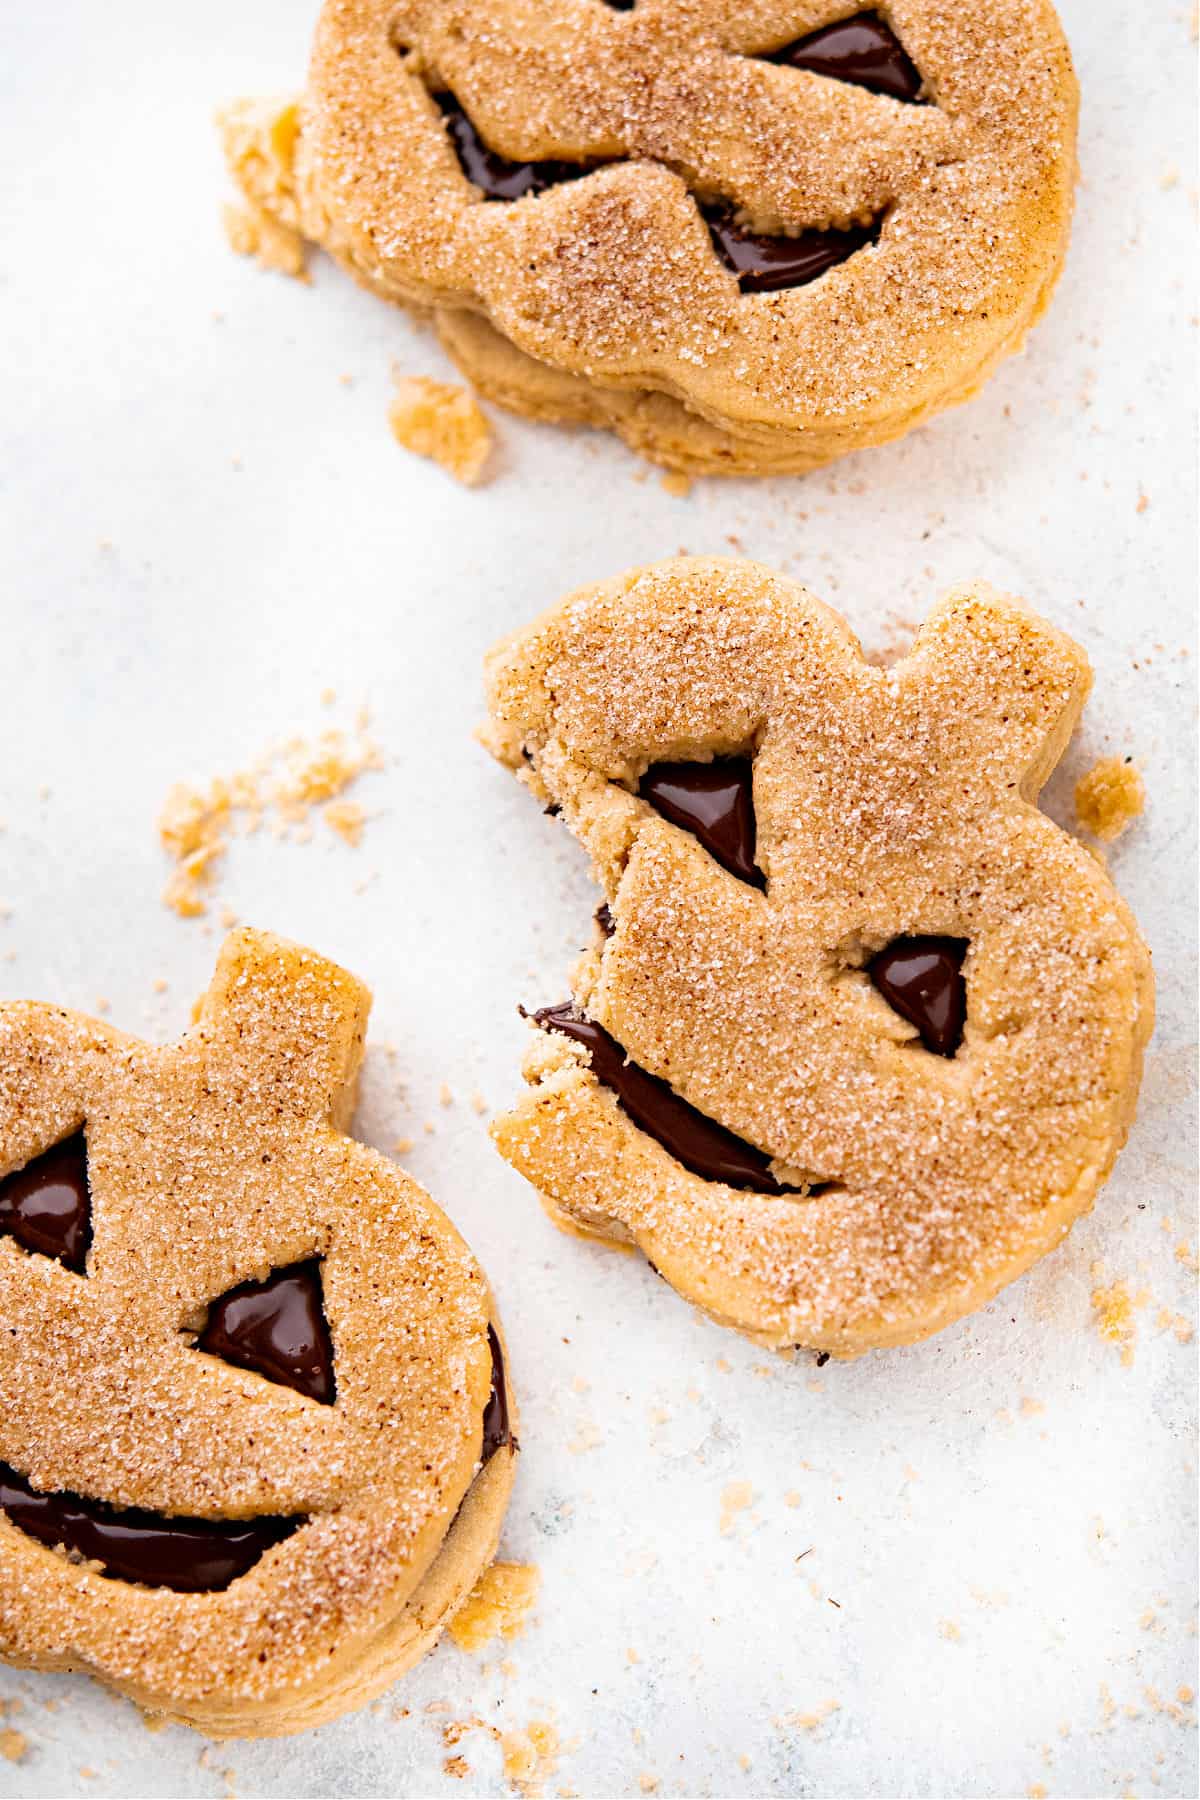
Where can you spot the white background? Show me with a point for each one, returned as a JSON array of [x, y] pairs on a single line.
[[204, 527]]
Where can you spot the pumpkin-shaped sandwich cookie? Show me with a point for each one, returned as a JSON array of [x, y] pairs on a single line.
[[861, 1029], [747, 237], [255, 1438]]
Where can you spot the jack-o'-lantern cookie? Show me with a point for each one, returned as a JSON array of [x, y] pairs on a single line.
[[748, 237], [255, 1438], [861, 1029]]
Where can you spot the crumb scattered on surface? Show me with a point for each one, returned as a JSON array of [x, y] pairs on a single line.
[[14, 1745], [812, 1721], [458, 1766], [259, 139], [676, 484], [500, 1604], [347, 818], [1109, 797], [530, 1756], [949, 1629], [735, 1498], [442, 421], [1114, 1307], [282, 787], [273, 245]]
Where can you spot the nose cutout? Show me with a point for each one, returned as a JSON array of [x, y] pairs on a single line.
[[47, 1205], [277, 1329], [921, 978]]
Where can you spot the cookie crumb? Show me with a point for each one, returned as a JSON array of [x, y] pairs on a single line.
[[441, 420], [1109, 797], [347, 818], [1114, 1309], [530, 1756], [812, 1721], [735, 1498], [14, 1745], [197, 821], [259, 141], [675, 483], [458, 1766], [500, 1604], [251, 232]]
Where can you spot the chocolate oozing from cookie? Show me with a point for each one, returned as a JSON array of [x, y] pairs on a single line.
[[604, 918], [766, 264], [922, 978], [494, 174], [276, 1327], [714, 801], [862, 50], [193, 1556], [47, 1205], [497, 1428], [691, 1137]]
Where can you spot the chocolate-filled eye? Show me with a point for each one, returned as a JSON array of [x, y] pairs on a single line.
[[494, 174], [863, 51], [714, 801], [276, 1328], [47, 1205], [921, 977]]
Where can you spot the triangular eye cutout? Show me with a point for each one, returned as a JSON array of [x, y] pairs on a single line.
[[863, 51], [714, 801], [498, 178], [47, 1205], [276, 1328], [921, 977]]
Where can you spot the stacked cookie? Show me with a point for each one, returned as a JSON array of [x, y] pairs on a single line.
[[748, 239]]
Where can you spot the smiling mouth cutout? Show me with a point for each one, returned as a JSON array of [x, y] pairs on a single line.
[[192, 1556]]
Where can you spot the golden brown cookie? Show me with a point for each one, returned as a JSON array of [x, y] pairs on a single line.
[[255, 1436], [802, 227], [861, 1029]]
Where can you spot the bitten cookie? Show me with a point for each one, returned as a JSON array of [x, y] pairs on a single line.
[[746, 237], [255, 1437], [861, 1030]]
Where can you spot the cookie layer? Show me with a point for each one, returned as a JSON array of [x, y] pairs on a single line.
[[929, 1159], [238, 1242], [652, 134]]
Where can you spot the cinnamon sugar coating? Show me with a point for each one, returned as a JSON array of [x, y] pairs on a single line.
[[888, 803], [212, 1162], [612, 281]]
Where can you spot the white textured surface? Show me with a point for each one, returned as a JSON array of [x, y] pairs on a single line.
[[204, 527]]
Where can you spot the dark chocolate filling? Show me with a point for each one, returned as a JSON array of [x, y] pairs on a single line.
[[863, 51], [497, 1430], [762, 264], [277, 1328], [765, 264], [690, 1136], [498, 178], [193, 1556], [47, 1205], [714, 801], [922, 978]]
